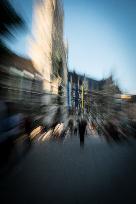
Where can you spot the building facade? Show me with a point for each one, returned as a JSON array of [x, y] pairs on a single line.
[[86, 94], [47, 49], [20, 82]]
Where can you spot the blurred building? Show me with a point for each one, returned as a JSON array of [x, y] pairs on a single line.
[[20, 82], [85, 92], [47, 48], [127, 105]]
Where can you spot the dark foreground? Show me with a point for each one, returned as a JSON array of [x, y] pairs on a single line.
[[63, 172]]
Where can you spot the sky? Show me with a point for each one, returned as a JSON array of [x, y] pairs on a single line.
[[101, 36]]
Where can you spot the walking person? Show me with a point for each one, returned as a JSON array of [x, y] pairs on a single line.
[[82, 128]]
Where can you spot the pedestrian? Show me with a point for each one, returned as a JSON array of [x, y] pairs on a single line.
[[82, 128], [28, 127]]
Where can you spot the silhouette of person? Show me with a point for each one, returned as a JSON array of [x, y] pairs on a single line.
[[28, 128], [71, 125], [82, 128]]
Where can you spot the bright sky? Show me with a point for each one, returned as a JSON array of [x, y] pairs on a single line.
[[101, 36]]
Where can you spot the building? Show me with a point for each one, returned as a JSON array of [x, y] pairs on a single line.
[[47, 49], [85, 93], [20, 82]]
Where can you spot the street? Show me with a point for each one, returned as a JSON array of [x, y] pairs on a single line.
[[64, 172], [67, 102]]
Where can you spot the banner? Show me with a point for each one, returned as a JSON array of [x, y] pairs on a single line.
[[82, 97], [69, 95], [76, 96]]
